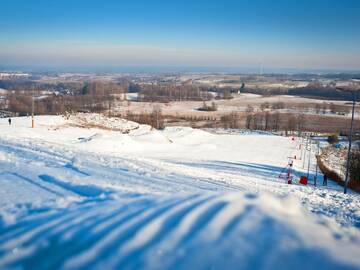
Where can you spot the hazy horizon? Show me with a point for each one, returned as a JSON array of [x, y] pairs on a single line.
[[171, 69]]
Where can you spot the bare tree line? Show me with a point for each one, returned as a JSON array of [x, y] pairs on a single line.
[[92, 97], [167, 93], [267, 121], [154, 118]]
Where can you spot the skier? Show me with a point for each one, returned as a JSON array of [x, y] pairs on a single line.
[[9, 121], [289, 174], [325, 180]]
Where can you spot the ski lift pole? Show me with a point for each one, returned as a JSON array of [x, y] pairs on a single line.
[[316, 170], [308, 169], [306, 148], [32, 112]]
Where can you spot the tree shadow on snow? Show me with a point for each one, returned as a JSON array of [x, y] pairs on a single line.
[[246, 169], [82, 190]]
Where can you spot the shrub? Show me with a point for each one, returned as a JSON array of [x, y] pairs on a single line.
[[278, 105], [207, 108], [154, 119], [333, 139]]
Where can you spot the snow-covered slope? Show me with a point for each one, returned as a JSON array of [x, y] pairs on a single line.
[[115, 194]]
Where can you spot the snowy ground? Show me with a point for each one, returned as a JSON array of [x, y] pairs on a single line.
[[91, 192]]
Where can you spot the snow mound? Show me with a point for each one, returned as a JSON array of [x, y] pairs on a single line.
[[187, 135], [224, 231], [105, 143], [151, 136]]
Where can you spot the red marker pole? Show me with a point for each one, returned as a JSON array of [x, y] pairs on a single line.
[[32, 113]]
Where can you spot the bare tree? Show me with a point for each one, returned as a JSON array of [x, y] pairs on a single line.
[[249, 116], [332, 108], [291, 123], [324, 108], [230, 120], [300, 122], [264, 106], [276, 121], [267, 118], [157, 119]]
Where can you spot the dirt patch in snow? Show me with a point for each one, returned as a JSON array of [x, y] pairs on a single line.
[[92, 120]]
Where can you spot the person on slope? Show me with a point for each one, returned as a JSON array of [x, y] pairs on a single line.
[[9, 121], [325, 180]]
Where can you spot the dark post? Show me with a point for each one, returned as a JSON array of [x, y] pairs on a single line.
[[317, 157], [350, 142], [308, 169]]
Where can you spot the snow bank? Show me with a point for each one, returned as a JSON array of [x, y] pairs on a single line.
[[334, 160], [187, 135]]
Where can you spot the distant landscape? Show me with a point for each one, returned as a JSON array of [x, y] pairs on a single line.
[[273, 102]]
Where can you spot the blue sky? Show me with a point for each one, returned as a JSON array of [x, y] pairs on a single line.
[[243, 33]]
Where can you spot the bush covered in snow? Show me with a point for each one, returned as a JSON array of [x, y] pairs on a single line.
[[355, 166]]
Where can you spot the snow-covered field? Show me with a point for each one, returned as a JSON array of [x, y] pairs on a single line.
[[95, 193], [238, 103]]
